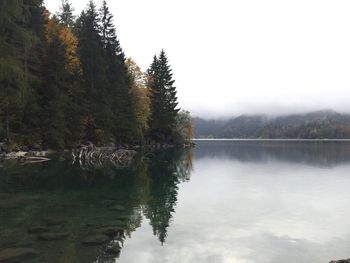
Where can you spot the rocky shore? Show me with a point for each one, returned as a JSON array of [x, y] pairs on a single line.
[[86, 153], [23, 154]]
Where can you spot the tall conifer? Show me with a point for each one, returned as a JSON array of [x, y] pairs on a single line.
[[163, 98], [65, 14]]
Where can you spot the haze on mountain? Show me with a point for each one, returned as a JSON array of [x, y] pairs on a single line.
[[243, 57], [325, 124]]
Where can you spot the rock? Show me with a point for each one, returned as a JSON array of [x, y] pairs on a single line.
[[16, 255], [114, 249], [95, 240], [38, 230], [52, 236], [341, 261]]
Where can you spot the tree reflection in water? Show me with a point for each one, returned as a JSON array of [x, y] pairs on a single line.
[[98, 209]]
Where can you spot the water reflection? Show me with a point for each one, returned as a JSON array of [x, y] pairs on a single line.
[[244, 201], [68, 214], [319, 153]]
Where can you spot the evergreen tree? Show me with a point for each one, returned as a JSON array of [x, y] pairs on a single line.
[[53, 97], [63, 81], [75, 92], [65, 15], [91, 54], [122, 112], [163, 99]]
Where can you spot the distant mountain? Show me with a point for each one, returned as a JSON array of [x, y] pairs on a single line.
[[325, 124]]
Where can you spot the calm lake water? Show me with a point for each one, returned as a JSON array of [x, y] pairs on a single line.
[[224, 201]]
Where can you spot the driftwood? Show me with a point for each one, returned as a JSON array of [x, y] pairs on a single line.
[[92, 156]]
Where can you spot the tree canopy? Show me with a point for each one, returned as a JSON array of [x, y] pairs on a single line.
[[65, 80]]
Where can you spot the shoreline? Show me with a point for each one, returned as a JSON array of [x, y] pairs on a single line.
[[85, 151], [277, 139]]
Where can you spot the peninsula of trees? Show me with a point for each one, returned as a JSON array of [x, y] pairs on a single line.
[[65, 80]]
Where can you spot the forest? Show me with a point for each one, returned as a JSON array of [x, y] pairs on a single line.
[[324, 124], [65, 80]]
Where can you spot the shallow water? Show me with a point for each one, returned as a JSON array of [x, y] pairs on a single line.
[[225, 201]]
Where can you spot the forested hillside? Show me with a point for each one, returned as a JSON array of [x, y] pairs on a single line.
[[65, 80], [315, 125]]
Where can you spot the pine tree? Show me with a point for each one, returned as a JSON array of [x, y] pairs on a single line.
[[163, 99], [91, 54], [65, 14], [53, 94], [122, 112], [64, 81]]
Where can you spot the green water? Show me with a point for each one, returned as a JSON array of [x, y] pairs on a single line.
[[224, 201], [66, 198]]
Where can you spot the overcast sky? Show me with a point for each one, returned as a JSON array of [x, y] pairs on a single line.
[[243, 56]]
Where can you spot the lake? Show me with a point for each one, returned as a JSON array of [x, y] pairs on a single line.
[[223, 201]]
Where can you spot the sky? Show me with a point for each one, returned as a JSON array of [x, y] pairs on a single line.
[[232, 57]]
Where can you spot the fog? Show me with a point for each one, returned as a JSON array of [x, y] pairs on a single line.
[[234, 57]]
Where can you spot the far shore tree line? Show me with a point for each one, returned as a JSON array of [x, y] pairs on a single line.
[[65, 80]]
